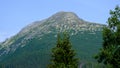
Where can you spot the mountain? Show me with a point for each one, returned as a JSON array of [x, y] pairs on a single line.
[[31, 47]]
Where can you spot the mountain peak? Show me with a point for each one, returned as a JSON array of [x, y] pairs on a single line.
[[60, 21], [66, 17], [64, 14]]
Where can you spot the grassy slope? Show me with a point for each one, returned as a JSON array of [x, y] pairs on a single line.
[[36, 53]]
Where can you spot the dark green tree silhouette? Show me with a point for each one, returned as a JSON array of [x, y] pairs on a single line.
[[110, 53], [62, 55]]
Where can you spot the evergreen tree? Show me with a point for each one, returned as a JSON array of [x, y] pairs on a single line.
[[110, 53], [62, 55]]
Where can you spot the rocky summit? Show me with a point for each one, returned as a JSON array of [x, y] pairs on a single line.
[[31, 47]]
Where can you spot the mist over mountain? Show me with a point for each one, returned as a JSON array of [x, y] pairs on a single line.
[[31, 47]]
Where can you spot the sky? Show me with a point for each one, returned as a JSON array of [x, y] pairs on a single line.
[[16, 14]]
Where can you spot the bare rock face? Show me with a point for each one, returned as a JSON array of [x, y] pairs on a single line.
[[60, 21]]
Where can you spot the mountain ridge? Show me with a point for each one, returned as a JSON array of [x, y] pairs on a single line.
[[41, 36], [62, 21]]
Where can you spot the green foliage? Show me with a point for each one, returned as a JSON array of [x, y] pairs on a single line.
[[62, 55], [110, 53], [37, 51]]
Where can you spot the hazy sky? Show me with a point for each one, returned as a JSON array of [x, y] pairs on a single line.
[[16, 14]]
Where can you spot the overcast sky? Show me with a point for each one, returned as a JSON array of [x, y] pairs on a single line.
[[16, 14]]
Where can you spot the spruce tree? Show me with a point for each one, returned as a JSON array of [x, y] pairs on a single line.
[[63, 56], [110, 53]]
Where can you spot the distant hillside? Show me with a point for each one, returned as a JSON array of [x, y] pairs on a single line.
[[31, 47]]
